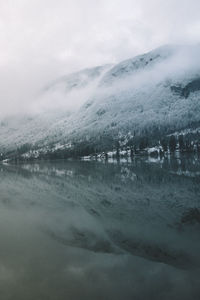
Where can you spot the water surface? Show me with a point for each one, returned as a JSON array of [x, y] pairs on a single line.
[[95, 230]]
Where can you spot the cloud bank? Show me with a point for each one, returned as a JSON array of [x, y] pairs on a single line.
[[42, 40]]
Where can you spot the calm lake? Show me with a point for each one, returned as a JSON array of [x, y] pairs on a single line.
[[100, 230]]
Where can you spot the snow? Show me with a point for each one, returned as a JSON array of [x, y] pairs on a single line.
[[156, 149], [132, 97]]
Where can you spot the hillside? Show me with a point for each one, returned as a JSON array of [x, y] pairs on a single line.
[[137, 102]]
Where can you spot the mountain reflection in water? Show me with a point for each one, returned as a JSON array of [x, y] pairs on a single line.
[[95, 230]]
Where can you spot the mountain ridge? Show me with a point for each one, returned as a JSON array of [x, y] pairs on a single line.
[[146, 97]]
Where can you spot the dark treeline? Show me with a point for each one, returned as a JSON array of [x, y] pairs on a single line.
[[105, 142]]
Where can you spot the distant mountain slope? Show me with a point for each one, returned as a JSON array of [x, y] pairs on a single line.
[[79, 79], [18, 130], [143, 96], [149, 96], [138, 64]]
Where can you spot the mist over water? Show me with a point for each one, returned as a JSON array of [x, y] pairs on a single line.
[[94, 230]]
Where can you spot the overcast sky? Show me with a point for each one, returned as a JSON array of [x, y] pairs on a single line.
[[43, 39]]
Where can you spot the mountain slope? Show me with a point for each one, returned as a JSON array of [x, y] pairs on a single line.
[[140, 99], [149, 96]]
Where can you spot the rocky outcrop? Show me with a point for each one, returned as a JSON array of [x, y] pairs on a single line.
[[191, 87]]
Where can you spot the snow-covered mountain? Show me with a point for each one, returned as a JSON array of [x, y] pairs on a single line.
[[148, 96], [54, 101]]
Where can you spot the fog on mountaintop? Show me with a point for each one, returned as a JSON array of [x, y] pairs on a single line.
[[177, 63], [73, 90], [41, 42]]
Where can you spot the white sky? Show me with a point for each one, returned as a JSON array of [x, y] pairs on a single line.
[[43, 39]]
